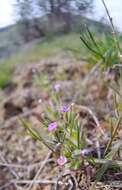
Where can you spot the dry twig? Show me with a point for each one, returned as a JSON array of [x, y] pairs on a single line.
[[10, 169], [31, 182], [90, 112], [22, 166], [39, 171]]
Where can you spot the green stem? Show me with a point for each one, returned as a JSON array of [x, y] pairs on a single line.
[[112, 26], [113, 135]]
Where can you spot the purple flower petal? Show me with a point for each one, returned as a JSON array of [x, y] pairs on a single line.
[[57, 87], [52, 126], [62, 160], [64, 109]]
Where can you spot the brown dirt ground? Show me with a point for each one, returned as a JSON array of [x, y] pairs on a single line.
[[21, 97]]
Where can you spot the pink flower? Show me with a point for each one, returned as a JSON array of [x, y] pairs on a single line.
[[62, 160], [64, 109], [52, 126], [57, 87]]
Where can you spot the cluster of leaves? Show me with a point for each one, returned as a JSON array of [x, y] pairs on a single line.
[[66, 137], [101, 48], [107, 49], [63, 132]]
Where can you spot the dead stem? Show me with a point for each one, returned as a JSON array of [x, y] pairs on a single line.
[[40, 181], [110, 162], [87, 109], [39, 171], [113, 28], [10, 169]]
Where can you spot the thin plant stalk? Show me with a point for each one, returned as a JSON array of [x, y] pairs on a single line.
[[112, 26], [113, 135]]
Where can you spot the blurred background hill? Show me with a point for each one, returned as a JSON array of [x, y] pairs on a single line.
[[43, 27], [11, 38], [45, 19]]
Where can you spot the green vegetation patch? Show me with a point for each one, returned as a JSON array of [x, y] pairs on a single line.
[[39, 50]]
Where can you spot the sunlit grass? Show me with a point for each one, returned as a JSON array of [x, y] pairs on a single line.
[[41, 49], [70, 42], [45, 48]]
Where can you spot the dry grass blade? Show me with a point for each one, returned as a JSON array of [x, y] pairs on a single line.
[[42, 164], [10, 169], [87, 109], [113, 28], [3, 187], [22, 166], [40, 181], [110, 162]]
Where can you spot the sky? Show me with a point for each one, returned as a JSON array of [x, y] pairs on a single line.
[[115, 9], [7, 12]]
